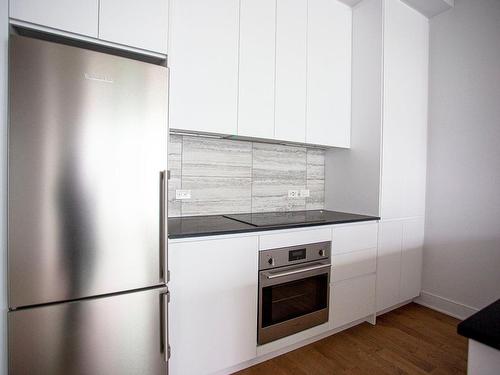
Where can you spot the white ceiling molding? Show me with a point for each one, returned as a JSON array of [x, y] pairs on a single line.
[[430, 8], [351, 3]]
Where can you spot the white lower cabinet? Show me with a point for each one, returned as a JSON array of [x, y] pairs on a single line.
[[388, 264], [399, 262], [354, 261], [351, 300], [349, 265], [411, 259], [213, 309]]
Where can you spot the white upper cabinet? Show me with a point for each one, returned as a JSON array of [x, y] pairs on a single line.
[[141, 24], [329, 73], [291, 65], [270, 69], [257, 68], [203, 58], [406, 45], [80, 17]]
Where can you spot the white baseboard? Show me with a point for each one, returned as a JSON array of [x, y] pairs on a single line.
[[446, 306]]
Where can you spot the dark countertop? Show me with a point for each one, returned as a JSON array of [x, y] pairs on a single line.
[[483, 326], [198, 226]]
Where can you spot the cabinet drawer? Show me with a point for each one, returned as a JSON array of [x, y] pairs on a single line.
[[358, 263], [352, 300], [300, 237], [355, 237]]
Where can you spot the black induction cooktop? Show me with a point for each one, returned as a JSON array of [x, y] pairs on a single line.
[[197, 226], [271, 219]]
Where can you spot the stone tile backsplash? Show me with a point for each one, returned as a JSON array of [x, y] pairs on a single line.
[[227, 176]]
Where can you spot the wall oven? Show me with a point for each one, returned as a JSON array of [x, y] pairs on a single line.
[[294, 285]]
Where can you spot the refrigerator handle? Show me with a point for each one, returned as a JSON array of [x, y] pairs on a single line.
[[163, 241], [164, 344]]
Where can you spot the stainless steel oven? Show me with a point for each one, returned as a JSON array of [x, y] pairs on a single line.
[[294, 285]]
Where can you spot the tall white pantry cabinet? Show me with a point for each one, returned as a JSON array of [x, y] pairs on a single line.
[[384, 173]]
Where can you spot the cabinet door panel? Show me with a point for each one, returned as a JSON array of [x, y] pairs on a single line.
[[291, 61], [354, 237], [203, 55], [352, 300], [405, 111], [411, 259], [329, 73], [142, 24], [257, 67], [213, 309], [389, 264], [357, 263], [80, 17]]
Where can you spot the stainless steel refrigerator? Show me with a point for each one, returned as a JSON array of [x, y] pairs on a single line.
[[87, 264]]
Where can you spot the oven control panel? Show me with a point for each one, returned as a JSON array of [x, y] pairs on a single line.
[[288, 256]]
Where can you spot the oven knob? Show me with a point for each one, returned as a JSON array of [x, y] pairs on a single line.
[[322, 253], [271, 261]]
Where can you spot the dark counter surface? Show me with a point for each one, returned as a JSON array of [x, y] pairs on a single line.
[[483, 326], [197, 226]]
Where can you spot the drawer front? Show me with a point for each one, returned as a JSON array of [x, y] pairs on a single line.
[[300, 237], [352, 300], [358, 263], [353, 238]]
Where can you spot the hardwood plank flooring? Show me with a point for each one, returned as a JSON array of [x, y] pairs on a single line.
[[410, 340]]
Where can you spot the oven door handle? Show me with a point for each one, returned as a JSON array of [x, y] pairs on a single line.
[[295, 271]]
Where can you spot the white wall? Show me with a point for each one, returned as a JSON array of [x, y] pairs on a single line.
[[462, 244], [4, 35]]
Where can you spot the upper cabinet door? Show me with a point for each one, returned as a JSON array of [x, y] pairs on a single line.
[[406, 46], [291, 66], [80, 17], [142, 24], [329, 73], [257, 68], [203, 58]]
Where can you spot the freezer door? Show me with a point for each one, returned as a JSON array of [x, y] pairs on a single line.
[[87, 151], [122, 334]]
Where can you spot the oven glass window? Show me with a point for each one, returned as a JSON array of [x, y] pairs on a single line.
[[293, 299]]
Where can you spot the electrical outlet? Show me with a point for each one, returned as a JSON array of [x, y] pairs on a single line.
[[293, 194], [182, 194], [304, 193]]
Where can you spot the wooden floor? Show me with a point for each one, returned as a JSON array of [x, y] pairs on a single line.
[[410, 340]]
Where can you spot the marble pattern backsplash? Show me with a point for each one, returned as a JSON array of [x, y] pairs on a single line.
[[228, 176]]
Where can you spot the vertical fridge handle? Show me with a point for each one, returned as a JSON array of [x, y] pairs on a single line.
[[164, 344], [163, 240]]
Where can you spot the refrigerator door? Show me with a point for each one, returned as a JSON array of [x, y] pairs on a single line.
[[87, 151], [121, 334]]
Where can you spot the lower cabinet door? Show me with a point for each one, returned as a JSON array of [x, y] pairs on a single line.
[[351, 300], [357, 263], [213, 306], [411, 259], [389, 264]]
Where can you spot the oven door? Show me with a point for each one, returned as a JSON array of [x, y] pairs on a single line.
[[292, 299]]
